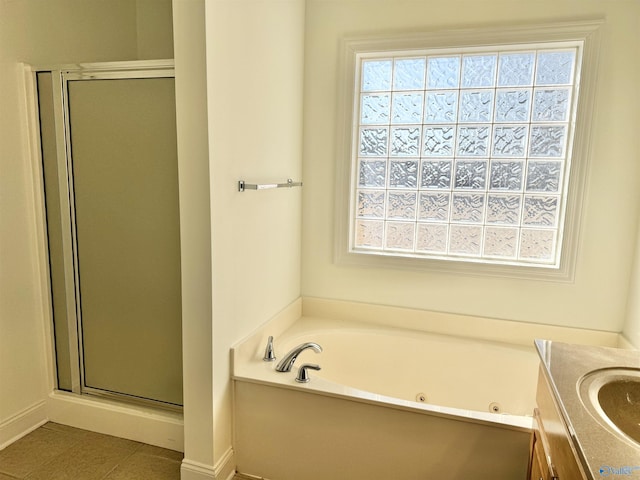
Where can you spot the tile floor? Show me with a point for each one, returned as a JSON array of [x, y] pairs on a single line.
[[58, 452]]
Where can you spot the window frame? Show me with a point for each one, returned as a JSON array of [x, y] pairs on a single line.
[[587, 33]]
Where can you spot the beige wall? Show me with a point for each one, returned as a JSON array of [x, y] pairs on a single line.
[[39, 32], [631, 329], [254, 88], [154, 27], [597, 298]]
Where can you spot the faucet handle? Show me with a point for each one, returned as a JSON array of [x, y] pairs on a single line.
[[269, 354], [303, 375]]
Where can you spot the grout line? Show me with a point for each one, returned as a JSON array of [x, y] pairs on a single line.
[[11, 476], [106, 475], [123, 460], [59, 433]]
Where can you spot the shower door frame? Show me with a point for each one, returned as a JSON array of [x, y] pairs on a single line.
[[60, 76]]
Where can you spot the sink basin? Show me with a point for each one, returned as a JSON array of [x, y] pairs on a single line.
[[612, 396], [620, 401]]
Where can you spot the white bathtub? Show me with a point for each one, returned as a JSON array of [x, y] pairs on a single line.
[[358, 418]]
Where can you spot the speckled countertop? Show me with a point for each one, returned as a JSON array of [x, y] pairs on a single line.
[[603, 453]]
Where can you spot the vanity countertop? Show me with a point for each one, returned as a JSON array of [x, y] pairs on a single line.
[[601, 452]]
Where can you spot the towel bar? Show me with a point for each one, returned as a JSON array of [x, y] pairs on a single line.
[[242, 185]]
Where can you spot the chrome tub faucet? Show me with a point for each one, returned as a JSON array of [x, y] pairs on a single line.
[[287, 362]]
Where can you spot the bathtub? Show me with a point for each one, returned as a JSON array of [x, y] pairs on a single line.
[[386, 404]]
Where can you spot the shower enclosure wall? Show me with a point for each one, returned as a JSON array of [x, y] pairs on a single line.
[[109, 157]]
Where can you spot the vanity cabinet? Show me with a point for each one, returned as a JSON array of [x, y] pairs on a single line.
[[572, 439], [552, 455], [538, 467]]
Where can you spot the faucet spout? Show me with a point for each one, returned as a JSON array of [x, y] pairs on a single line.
[[287, 362]]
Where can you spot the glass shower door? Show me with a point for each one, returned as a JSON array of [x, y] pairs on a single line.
[[121, 159]]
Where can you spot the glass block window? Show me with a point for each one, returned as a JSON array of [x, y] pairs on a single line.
[[463, 155]]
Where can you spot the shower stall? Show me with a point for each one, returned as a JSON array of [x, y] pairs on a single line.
[[110, 175]]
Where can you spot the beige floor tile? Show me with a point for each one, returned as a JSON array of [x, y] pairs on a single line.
[[140, 466], [108, 441], [33, 451], [59, 452], [89, 460], [160, 452], [57, 427], [88, 436]]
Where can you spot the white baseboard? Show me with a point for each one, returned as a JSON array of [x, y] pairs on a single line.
[[224, 469], [22, 423], [190, 470], [155, 427], [247, 476]]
